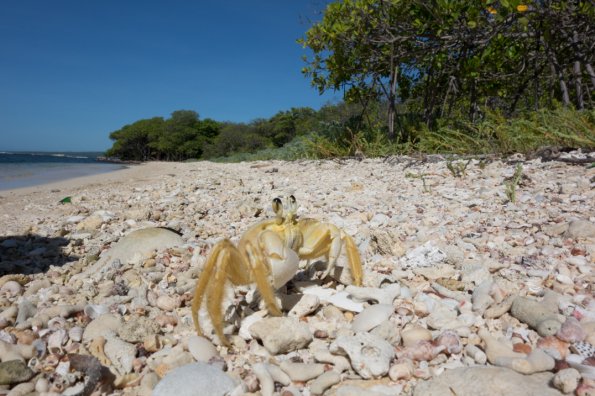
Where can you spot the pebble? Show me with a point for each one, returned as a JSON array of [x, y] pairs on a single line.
[[302, 371], [324, 381], [187, 380], [370, 356], [542, 316], [282, 334], [567, 380], [201, 349], [496, 381], [452, 262], [371, 317], [14, 372]]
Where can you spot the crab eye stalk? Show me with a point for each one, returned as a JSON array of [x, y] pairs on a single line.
[[278, 207], [292, 205]]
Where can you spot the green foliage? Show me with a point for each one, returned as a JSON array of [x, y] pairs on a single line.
[[512, 183], [180, 137], [451, 58], [457, 168], [496, 134]]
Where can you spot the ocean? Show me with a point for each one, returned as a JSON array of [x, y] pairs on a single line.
[[25, 169]]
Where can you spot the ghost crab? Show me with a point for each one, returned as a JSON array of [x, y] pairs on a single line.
[[268, 254]]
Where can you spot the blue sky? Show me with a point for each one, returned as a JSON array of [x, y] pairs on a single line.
[[73, 71]]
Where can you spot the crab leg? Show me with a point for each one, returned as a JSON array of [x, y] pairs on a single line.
[[355, 263], [260, 272], [212, 283], [322, 239]]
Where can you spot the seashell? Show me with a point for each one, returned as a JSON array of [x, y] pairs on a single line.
[[167, 303], [404, 308], [400, 371], [421, 351], [571, 331], [56, 323], [76, 333], [451, 341], [166, 320], [51, 361], [56, 340], [11, 289], [412, 334], [582, 348], [554, 347], [95, 310]]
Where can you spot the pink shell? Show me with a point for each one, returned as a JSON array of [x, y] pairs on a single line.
[[553, 346], [421, 351], [571, 331], [450, 340]]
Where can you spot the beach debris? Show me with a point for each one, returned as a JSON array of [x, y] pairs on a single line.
[[460, 292]]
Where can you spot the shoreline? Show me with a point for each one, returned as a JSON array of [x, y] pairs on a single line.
[[429, 242]]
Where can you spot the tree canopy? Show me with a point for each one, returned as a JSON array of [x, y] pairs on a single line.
[[445, 57]]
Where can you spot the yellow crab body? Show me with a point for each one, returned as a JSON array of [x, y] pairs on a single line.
[[268, 254]]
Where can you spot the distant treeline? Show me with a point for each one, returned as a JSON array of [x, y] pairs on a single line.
[[425, 75], [185, 136]]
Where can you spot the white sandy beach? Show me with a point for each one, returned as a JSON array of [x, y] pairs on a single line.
[[453, 272]]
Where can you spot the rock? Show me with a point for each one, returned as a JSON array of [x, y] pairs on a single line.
[[412, 334], [14, 372], [302, 371], [388, 331], [571, 331], [325, 381], [580, 229], [500, 354], [201, 349], [370, 356], [426, 255], [192, 378], [371, 317], [541, 315], [90, 224], [136, 245], [307, 304], [567, 380], [493, 381], [384, 295], [281, 334], [120, 353], [267, 385], [100, 326], [137, 328]]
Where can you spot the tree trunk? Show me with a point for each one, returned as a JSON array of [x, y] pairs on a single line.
[[557, 72], [576, 70], [589, 69], [392, 97]]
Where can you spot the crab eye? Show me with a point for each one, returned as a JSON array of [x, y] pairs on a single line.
[[292, 199], [277, 205]]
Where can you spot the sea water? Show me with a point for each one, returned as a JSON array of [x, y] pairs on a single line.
[[25, 169]]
